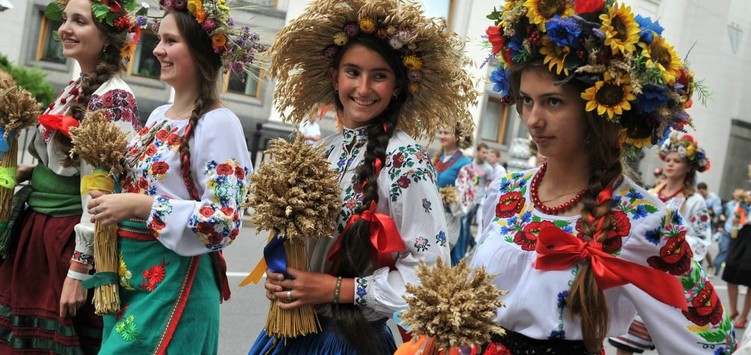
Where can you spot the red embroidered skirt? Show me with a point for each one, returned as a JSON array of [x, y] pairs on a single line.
[[31, 281]]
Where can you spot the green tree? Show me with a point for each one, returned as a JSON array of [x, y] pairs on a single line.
[[31, 79]]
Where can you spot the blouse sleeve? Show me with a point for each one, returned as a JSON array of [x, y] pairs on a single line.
[[415, 206], [221, 166], [120, 108], [704, 328]]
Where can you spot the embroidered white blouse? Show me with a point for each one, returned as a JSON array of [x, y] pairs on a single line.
[[220, 165], [408, 193], [645, 233], [116, 98], [696, 218]]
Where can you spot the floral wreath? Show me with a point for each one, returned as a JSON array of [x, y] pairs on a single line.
[[122, 15], [635, 77], [237, 48], [440, 89], [687, 148]]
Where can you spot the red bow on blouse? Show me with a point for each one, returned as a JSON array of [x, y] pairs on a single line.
[[384, 236], [559, 250], [60, 123]]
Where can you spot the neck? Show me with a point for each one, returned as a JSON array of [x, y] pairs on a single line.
[[183, 101], [672, 186], [450, 150], [572, 176]]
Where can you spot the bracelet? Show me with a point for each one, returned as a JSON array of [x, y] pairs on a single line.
[[78, 275], [337, 289]]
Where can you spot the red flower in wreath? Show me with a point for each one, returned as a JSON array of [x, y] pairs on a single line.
[[587, 6], [527, 238], [675, 256], [705, 307], [224, 169], [495, 37], [159, 168], [509, 204]]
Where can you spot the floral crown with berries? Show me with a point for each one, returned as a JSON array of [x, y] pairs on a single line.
[[118, 14], [687, 147], [634, 77], [237, 48], [440, 89]]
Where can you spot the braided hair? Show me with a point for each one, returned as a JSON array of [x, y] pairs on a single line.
[[586, 299], [109, 64], [209, 66], [356, 252]]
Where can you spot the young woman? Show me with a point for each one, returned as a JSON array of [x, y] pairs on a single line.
[[363, 57], [43, 306], [186, 177], [738, 264], [448, 162], [580, 247]]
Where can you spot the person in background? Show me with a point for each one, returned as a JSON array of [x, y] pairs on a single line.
[[722, 236], [482, 176], [714, 207], [310, 129], [738, 264], [495, 161], [44, 308], [448, 162]]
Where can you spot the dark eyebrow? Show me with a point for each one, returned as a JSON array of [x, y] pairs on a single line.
[[545, 95], [355, 66]]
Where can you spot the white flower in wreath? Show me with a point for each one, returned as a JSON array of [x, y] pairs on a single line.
[[395, 43], [682, 151]]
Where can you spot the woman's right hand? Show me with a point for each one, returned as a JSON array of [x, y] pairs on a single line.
[[23, 173]]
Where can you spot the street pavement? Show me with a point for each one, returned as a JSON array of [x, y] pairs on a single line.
[[244, 315]]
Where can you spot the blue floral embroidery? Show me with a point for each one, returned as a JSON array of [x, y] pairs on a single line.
[[440, 238], [361, 290], [653, 236]]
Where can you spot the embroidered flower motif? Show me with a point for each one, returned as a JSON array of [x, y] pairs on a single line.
[[127, 328], [675, 257], [426, 205], [527, 238], [705, 308], [440, 238], [361, 290], [509, 204], [153, 276], [421, 244], [125, 274]]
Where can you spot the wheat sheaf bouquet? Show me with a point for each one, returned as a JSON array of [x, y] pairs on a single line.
[[295, 195], [451, 307], [18, 110], [101, 144]]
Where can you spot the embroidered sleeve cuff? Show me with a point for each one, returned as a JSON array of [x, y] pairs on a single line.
[[82, 258], [361, 290]]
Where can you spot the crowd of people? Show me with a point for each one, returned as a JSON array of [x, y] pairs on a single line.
[[586, 254]]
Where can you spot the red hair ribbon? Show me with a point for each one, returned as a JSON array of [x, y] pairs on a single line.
[[59, 123], [559, 250]]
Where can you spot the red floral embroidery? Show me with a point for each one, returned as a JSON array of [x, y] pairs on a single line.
[[527, 238], [204, 228], [157, 224], [705, 307], [239, 172], [207, 211], [224, 169], [153, 276], [215, 238], [675, 256], [233, 234], [143, 184], [174, 139], [398, 160], [150, 150], [162, 135], [228, 211], [620, 227], [159, 168], [509, 204], [403, 182]]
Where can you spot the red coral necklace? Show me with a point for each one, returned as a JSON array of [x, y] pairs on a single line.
[[667, 198], [538, 203]]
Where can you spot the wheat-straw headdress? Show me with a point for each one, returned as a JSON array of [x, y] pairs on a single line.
[[440, 89]]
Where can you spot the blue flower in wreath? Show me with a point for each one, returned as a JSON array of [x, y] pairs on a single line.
[[499, 78], [563, 31], [648, 28]]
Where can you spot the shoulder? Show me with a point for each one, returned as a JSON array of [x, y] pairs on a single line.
[[115, 83], [404, 149], [641, 214], [222, 119], [514, 182]]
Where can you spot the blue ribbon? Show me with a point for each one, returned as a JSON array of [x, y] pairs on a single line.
[[275, 255], [4, 145]]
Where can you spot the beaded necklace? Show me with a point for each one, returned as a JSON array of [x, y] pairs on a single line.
[[667, 198], [538, 203]]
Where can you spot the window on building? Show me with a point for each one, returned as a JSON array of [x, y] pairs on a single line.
[[49, 48], [144, 62], [495, 125], [244, 83]]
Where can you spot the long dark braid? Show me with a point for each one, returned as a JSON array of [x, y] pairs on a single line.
[[209, 65], [356, 254], [110, 63], [585, 298]]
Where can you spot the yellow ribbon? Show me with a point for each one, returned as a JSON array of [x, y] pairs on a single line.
[[99, 180], [8, 177], [258, 271]]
